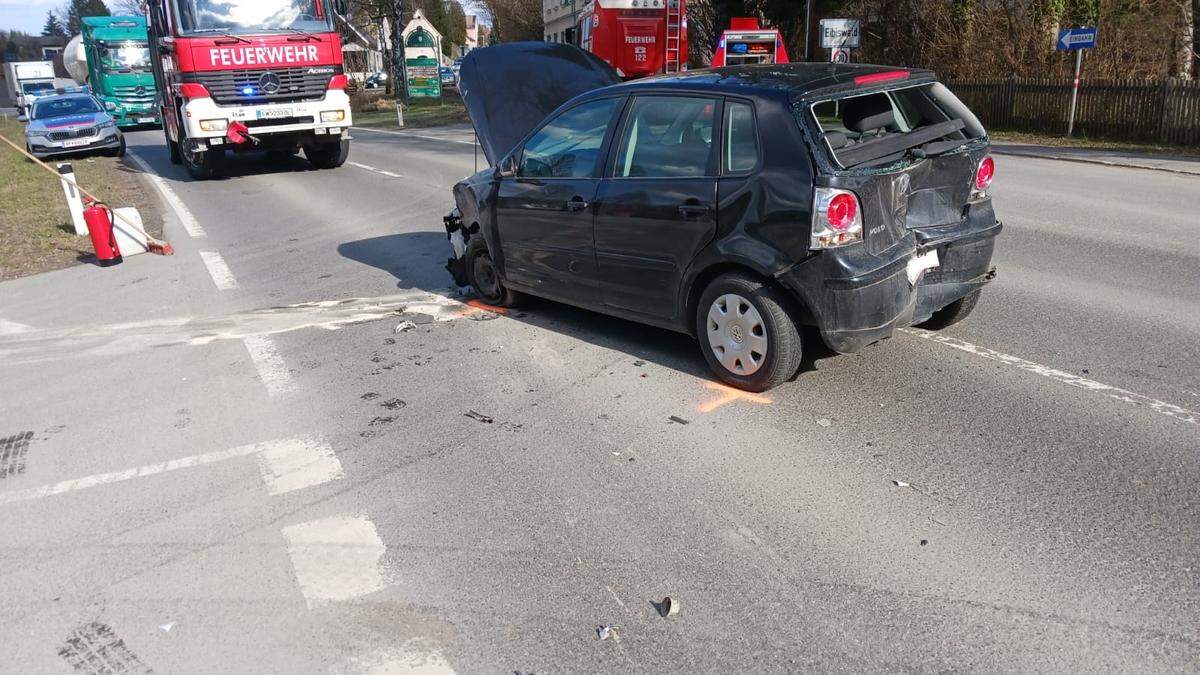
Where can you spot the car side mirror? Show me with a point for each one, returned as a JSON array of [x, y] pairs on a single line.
[[508, 166]]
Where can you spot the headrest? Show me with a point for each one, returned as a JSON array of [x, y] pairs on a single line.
[[867, 113]]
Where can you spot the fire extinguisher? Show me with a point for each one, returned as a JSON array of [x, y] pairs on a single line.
[[99, 219]]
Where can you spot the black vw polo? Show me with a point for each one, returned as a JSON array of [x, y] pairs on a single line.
[[732, 204]]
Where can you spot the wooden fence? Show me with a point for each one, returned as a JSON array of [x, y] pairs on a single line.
[[1165, 112]]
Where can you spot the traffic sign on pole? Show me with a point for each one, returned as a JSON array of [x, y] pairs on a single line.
[[1075, 38], [841, 33]]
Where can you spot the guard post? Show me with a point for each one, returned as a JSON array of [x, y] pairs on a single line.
[[1076, 40]]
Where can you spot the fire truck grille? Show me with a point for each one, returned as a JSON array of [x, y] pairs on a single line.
[[86, 132], [247, 86]]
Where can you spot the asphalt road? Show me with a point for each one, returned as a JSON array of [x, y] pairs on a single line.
[[229, 460]]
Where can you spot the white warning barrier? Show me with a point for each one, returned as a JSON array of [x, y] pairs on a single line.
[[74, 200], [130, 240]]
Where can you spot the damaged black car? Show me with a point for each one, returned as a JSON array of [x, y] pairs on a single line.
[[735, 204]]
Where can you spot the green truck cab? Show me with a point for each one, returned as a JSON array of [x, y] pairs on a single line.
[[119, 74]]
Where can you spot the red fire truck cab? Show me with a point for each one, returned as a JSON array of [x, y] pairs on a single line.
[[747, 42], [237, 75], [636, 37]]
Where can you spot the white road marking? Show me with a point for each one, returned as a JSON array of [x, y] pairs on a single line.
[[221, 275], [278, 448], [414, 657], [193, 227], [1064, 377], [297, 464], [372, 169], [411, 135], [336, 558], [271, 368]]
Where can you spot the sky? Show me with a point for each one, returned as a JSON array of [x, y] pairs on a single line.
[[27, 15]]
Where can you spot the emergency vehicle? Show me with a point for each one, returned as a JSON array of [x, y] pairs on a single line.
[[746, 42], [636, 37], [250, 75]]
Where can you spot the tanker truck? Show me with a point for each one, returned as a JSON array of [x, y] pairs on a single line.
[[112, 57]]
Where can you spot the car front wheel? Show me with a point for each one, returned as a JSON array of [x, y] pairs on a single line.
[[484, 277], [747, 334]]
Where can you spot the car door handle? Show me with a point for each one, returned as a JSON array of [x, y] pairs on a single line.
[[577, 204], [694, 210]]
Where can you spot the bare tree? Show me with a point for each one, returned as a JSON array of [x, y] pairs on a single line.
[[129, 7]]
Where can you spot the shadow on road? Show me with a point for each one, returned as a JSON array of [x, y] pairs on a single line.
[[418, 259]]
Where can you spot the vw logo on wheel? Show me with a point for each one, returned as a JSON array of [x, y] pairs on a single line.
[[269, 84]]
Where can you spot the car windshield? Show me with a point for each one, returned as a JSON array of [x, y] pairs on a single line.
[[126, 57], [36, 87], [252, 16], [883, 127], [62, 107]]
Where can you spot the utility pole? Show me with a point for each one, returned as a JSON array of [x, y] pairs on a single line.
[[807, 28]]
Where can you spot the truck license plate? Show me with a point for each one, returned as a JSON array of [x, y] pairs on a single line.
[[76, 143], [145, 120], [274, 114]]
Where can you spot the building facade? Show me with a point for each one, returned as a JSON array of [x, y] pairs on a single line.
[[560, 17]]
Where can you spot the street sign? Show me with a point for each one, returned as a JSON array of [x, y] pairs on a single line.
[[841, 33], [839, 56], [1075, 38], [424, 77]]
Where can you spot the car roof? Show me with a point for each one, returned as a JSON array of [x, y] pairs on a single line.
[[794, 79]]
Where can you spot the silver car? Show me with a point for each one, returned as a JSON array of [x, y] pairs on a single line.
[[69, 124]]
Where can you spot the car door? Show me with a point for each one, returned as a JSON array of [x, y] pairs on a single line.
[[544, 212], [657, 205]]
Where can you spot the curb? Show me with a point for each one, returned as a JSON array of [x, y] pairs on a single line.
[[1101, 162]]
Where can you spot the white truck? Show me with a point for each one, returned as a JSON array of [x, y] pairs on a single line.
[[28, 80]]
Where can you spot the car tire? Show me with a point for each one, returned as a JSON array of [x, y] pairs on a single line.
[[328, 155], [200, 165], [953, 312], [172, 147], [120, 151], [747, 333], [280, 156], [484, 277]]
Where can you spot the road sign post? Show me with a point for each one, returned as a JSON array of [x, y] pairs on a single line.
[[1076, 40]]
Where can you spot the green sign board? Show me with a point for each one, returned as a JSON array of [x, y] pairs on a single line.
[[424, 77]]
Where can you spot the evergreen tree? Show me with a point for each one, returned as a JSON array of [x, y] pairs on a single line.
[[79, 9], [53, 27]]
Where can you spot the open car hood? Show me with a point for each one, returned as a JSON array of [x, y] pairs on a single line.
[[510, 88]]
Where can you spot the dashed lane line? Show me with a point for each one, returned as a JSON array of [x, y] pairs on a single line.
[[285, 465], [372, 169], [221, 275], [270, 365], [1070, 379], [190, 224], [336, 559]]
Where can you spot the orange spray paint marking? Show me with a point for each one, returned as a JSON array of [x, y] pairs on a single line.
[[475, 306], [728, 395]]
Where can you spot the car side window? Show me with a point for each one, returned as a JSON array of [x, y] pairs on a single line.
[[666, 137], [741, 139], [569, 145]]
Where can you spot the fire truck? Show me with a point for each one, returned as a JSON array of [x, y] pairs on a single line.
[[748, 42], [636, 37], [240, 75]]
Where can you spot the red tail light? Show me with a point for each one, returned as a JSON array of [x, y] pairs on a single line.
[[985, 174], [192, 90], [876, 78], [339, 82], [843, 209]]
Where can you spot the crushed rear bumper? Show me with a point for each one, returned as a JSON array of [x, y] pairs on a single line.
[[856, 300]]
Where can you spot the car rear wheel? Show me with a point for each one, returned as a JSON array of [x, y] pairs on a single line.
[[200, 164], [747, 334], [484, 277], [953, 312]]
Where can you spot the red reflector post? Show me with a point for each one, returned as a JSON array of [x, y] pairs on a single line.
[[339, 82], [876, 78], [191, 90]]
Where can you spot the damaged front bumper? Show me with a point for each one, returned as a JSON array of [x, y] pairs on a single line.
[[856, 299]]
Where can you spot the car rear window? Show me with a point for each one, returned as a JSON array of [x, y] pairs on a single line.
[[884, 127]]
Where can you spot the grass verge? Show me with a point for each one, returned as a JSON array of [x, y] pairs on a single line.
[[36, 234], [421, 113]]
